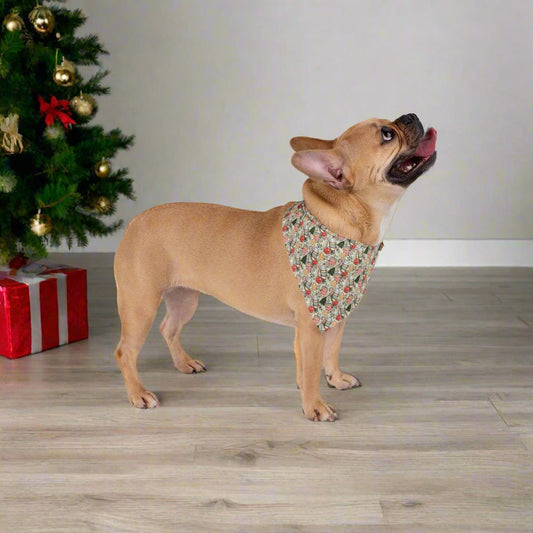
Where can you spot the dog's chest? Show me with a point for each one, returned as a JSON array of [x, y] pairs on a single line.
[[332, 271]]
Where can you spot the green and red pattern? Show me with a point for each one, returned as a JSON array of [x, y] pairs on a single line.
[[331, 271]]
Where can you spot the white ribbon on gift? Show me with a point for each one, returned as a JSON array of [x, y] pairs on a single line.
[[61, 305], [32, 282]]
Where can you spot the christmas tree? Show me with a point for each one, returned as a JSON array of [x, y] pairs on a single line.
[[56, 178]]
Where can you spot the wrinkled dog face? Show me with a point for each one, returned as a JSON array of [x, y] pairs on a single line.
[[372, 152]]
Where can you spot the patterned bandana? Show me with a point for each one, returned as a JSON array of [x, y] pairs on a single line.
[[332, 271]]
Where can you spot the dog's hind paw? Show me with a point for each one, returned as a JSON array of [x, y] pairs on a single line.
[[341, 381], [144, 400]]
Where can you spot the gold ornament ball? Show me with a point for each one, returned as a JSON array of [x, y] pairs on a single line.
[[41, 224], [102, 204], [102, 169], [42, 19], [13, 22], [83, 105], [65, 74]]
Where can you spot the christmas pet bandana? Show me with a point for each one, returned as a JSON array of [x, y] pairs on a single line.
[[331, 271]]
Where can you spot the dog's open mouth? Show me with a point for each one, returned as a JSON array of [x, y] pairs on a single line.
[[407, 169]]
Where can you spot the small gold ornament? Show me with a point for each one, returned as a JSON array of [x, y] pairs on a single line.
[[83, 105], [42, 19], [41, 224], [9, 130], [13, 22], [102, 204], [102, 169], [65, 74]]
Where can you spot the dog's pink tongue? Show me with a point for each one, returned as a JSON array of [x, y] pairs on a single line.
[[427, 144]]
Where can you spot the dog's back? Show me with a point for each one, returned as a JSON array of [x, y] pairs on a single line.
[[208, 248]]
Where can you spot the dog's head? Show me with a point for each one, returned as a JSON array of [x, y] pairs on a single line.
[[373, 152]]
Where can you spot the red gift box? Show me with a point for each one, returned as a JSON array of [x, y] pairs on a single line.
[[39, 312]]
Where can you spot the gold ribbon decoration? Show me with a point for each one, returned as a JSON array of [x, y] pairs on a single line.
[[11, 138]]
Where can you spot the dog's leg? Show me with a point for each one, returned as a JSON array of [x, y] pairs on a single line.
[[298, 357], [137, 311], [332, 344], [181, 304], [311, 344]]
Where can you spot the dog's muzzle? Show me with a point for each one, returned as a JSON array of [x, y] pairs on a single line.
[[420, 154], [412, 128]]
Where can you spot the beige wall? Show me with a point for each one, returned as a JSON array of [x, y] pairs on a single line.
[[213, 91]]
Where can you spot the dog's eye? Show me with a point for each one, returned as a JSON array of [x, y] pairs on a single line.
[[387, 134]]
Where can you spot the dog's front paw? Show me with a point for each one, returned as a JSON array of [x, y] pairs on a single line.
[[320, 411], [143, 399], [341, 381]]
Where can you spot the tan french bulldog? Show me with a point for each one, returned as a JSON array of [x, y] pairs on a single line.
[[303, 265]]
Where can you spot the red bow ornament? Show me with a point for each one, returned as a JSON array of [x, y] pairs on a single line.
[[56, 109]]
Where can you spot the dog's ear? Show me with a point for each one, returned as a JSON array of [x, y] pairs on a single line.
[[322, 165], [309, 143]]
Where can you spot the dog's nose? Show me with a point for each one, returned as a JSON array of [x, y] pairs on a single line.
[[412, 122], [407, 119]]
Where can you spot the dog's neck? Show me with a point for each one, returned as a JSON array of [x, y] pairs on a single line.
[[356, 215]]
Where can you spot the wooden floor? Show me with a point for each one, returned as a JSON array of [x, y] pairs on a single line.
[[438, 439]]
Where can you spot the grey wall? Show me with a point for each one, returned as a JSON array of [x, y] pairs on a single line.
[[214, 89]]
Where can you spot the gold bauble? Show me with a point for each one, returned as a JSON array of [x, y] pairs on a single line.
[[65, 74], [102, 169], [41, 224], [83, 105], [102, 204], [13, 22], [42, 19]]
